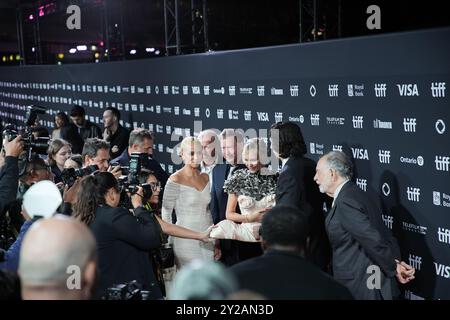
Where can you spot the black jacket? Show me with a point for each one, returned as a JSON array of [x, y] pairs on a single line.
[[285, 275], [119, 139], [124, 242], [9, 180], [296, 187], [358, 241]]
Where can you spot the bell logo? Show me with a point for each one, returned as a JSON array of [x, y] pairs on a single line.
[[440, 126], [312, 90], [438, 89], [442, 163], [260, 90], [408, 90], [413, 194], [415, 261]]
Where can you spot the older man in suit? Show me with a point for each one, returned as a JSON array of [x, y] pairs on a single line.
[[282, 272], [366, 257]]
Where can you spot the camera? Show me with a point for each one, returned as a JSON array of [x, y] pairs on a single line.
[[127, 291], [129, 184], [70, 175], [31, 144]]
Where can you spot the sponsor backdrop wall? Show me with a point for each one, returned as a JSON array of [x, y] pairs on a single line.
[[382, 99]]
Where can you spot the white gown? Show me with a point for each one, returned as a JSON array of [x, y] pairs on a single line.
[[191, 208], [255, 192]]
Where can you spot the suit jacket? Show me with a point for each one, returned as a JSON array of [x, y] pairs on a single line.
[[119, 139], [285, 275], [296, 187], [9, 181], [218, 206], [124, 242], [357, 243], [71, 135]]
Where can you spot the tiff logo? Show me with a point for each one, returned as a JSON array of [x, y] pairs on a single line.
[[260, 90], [362, 184], [442, 163], [247, 115], [415, 261], [413, 194], [409, 124], [444, 235], [388, 220], [438, 89], [278, 116], [380, 90], [358, 122], [315, 119], [337, 147], [294, 90], [385, 156], [333, 90]]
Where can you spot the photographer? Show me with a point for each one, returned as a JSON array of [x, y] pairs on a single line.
[[141, 141], [96, 152], [9, 172], [124, 240]]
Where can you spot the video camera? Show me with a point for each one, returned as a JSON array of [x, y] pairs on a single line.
[[31, 144], [127, 291], [70, 175], [129, 184]]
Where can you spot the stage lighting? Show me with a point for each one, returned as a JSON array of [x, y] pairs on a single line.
[[60, 55], [82, 48], [4, 59], [97, 55], [18, 57], [73, 50], [150, 49], [93, 48], [133, 51]]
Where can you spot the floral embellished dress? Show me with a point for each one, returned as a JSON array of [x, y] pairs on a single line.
[[255, 192]]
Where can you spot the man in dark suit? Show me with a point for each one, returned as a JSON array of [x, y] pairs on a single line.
[[232, 143], [366, 258], [295, 187], [141, 140], [282, 272]]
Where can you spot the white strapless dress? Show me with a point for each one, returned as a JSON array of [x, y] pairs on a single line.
[[248, 232]]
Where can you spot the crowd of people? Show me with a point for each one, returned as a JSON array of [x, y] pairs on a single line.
[[223, 215]]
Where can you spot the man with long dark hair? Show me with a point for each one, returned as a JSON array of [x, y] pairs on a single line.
[[296, 187]]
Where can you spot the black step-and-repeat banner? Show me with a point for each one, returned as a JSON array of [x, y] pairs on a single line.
[[382, 99]]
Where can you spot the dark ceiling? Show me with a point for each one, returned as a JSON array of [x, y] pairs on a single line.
[[232, 24]]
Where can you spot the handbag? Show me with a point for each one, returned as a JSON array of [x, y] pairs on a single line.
[[165, 253]]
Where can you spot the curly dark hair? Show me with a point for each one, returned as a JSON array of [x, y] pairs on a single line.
[[91, 195], [290, 139]]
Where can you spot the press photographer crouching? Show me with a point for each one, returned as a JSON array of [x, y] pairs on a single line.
[[124, 240]]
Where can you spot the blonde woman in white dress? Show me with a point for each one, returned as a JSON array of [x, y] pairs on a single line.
[[188, 193], [253, 190]]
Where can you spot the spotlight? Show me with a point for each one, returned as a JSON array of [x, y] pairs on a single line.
[[97, 55], [133, 51], [157, 52], [150, 49], [82, 48], [60, 55], [93, 47], [30, 17], [73, 50]]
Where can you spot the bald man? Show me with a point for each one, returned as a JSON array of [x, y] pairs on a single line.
[[58, 260]]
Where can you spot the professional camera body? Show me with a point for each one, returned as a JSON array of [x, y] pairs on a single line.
[[127, 291], [129, 184], [70, 175], [31, 144]]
